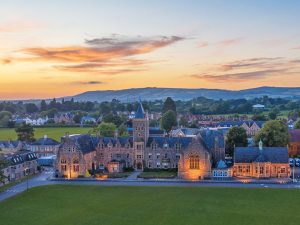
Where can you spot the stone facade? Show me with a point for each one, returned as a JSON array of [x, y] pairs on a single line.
[[193, 156], [261, 162]]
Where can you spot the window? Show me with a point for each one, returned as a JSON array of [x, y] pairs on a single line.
[[154, 146], [138, 156], [157, 155], [149, 155], [63, 167], [261, 169], [194, 162], [63, 161], [166, 155], [75, 168], [75, 161], [158, 165], [177, 156], [177, 146]]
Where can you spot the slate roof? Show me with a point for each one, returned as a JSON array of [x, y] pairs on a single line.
[[7, 144], [240, 123], [140, 112], [122, 140], [171, 141], [294, 135], [152, 131], [210, 136], [268, 154], [45, 141], [21, 156], [86, 143]]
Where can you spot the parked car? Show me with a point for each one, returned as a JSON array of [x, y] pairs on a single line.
[[292, 162], [297, 162]]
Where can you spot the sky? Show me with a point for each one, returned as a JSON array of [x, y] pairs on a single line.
[[57, 48]]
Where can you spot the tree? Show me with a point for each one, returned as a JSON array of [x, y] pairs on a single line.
[[43, 105], [183, 122], [168, 120], [122, 130], [169, 104], [113, 118], [5, 117], [273, 134], [297, 124], [259, 117], [236, 137], [105, 129], [25, 133], [272, 115], [31, 108], [3, 165]]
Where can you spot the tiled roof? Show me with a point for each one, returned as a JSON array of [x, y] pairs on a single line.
[[209, 138], [240, 123], [268, 154], [294, 135], [7, 144], [122, 140]]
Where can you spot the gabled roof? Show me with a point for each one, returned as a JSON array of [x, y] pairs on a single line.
[[8, 144], [268, 154], [294, 135], [45, 141], [171, 141], [209, 138]]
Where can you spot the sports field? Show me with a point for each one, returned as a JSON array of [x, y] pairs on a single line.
[[52, 132], [89, 205]]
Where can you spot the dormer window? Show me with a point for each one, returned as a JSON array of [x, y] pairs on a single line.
[[154, 146]]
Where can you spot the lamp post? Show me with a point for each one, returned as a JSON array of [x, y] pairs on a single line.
[[26, 173]]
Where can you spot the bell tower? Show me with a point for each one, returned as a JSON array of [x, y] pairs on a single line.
[[140, 125]]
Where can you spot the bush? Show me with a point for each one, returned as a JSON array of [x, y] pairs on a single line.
[[128, 169], [160, 170]]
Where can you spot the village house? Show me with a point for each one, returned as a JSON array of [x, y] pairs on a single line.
[[65, 118], [251, 127], [44, 146], [19, 165], [261, 162], [193, 156]]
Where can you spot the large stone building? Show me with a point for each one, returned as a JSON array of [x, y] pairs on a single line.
[[193, 156], [261, 162]]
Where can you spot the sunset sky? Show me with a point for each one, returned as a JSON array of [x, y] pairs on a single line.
[[60, 48]]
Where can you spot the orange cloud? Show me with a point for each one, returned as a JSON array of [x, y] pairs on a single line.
[[17, 26]]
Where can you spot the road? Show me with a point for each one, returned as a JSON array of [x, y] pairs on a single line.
[[42, 180]]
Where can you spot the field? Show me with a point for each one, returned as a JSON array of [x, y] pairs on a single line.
[[160, 174], [52, 132], [91, 205]]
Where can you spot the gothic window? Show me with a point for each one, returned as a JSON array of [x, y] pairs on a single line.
[[194, 162], [63, 167], [76, 168], [75, 161], [63, 161]]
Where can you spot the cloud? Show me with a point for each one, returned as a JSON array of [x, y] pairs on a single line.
[[229, 42], [92, 82], [262, 63], [296, 48], [6, 61], [17, 26], [203, 44], [237, 77], [100, 53]]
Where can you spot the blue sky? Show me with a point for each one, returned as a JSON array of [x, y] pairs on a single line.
[[46, 47]]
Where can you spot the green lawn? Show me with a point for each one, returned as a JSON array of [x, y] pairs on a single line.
[[160, 174], [52, 132], [74, 205]]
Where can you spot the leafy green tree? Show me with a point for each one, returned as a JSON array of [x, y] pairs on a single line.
[[3, 165], [183, 122], [43, 105], [297, 124], [122, 130], [169, 104], [273, 134], [259, 117], [31, 108], [25, 133], [168, 120], [236, 137], [113, 118], [272, 115], [105, 129], [5, 117]]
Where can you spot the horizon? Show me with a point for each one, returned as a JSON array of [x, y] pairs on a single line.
[[228, 45]]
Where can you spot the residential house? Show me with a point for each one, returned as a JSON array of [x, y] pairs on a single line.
[[44, 146], [294, 143]]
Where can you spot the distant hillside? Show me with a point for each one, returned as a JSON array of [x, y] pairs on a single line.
[[152, 93]]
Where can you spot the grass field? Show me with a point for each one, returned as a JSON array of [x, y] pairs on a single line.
[[89, 205], [52, 132], [160, 174]]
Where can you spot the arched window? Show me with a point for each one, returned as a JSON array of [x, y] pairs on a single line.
[[194, 162], [75, 161]]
